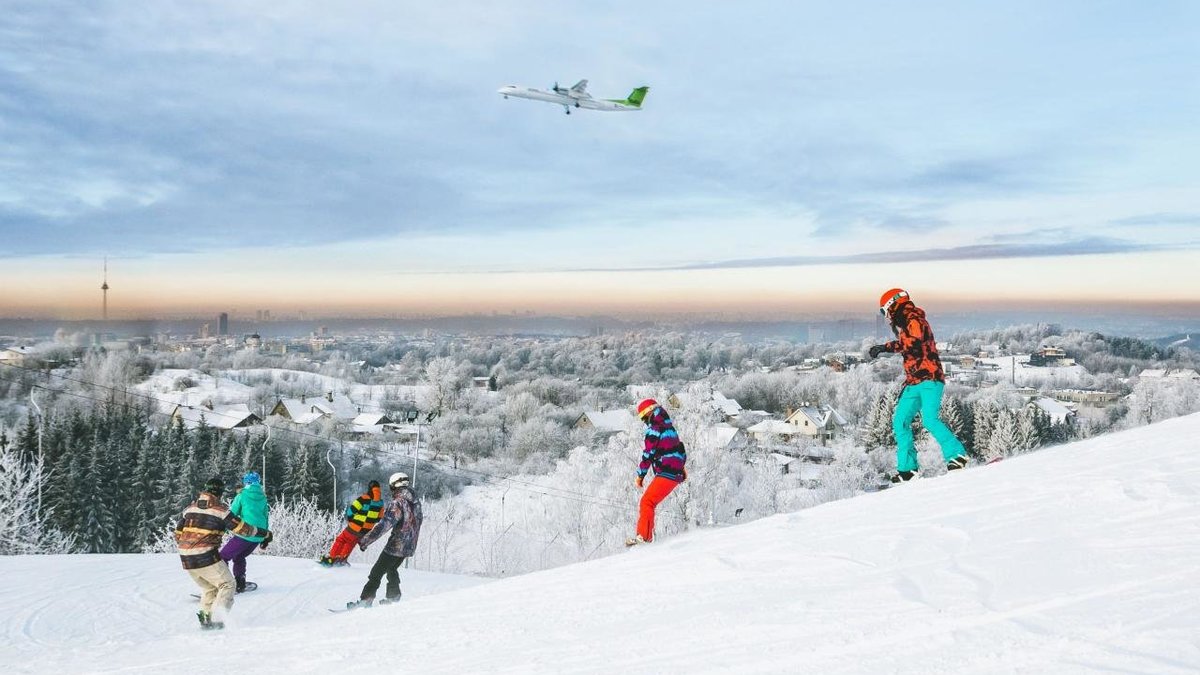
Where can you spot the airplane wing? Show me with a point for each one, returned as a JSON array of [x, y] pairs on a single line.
[[580, 90]]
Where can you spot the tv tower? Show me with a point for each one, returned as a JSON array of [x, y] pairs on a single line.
[[104, 288]]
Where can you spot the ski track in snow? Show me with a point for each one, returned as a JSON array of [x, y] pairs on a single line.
[[1077, 559]]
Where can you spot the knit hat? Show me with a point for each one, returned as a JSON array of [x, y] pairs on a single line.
[[214, 486], [891, 298], [251, 478], [646, 407]]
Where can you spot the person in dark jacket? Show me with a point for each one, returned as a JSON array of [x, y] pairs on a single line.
[[402, 516], [924, 381], [361, 516], [198, 535], [664, 453], [250, 505]]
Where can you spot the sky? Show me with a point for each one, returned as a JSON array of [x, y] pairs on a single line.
[[790, 157]]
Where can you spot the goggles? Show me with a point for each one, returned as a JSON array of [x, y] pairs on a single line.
[[887, 306]]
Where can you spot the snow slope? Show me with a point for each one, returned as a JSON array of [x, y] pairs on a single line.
[[1075, 559]]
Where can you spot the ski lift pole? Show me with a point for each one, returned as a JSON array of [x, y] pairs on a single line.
[[40, 421], [416, 453], [264, 454], [333, 469]]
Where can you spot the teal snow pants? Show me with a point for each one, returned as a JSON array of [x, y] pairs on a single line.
[[925, 397]]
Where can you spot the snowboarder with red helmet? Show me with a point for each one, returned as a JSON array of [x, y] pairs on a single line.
[[664, 453], [924, 382]]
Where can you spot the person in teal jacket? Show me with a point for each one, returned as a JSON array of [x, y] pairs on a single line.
[[250, 505]]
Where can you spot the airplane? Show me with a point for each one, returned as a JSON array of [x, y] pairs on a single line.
[[576, 97]]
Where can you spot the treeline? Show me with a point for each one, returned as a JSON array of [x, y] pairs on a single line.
[[988, 429], [113, 478]]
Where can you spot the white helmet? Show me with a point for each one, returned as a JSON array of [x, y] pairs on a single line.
[[398, 479]]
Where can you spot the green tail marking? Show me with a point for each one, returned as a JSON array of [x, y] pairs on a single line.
[[635, 97]]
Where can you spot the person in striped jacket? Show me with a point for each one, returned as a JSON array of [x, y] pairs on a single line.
[[665, 454], [361, 516], [198, 536]]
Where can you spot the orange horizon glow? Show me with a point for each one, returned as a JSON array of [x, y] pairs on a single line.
[[182, 286]]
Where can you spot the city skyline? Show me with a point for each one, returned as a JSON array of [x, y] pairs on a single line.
[[358, 160]]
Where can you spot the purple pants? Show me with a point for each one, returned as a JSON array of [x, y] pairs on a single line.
[[236, 549]]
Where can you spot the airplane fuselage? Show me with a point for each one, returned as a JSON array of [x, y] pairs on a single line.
[[564, 99]]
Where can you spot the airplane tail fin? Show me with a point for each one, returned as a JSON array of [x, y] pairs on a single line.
[[637, 96]]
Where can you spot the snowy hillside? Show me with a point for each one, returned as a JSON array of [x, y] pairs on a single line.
[[1074, 559]]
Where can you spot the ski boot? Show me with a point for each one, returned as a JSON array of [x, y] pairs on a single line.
[[391, 599], [957, 463], [206, 622], [244, 586], [634, 541], [904, 476], [361, 603]]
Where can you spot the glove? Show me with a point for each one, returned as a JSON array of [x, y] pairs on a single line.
[[266, 540], [362, 546], [875, 351], [638, 482], [685, 473]]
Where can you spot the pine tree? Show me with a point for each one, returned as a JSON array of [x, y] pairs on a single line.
[[878, 431], [1031, 421], [957, 416], [1003, 439], [983, 422]]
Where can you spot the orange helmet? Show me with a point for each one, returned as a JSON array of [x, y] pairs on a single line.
[[646, 407], [892, 298]]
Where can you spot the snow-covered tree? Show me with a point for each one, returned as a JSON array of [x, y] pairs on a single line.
[[22, 529]]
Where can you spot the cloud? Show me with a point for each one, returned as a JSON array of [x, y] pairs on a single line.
[[1078, 247], [1158, 220]]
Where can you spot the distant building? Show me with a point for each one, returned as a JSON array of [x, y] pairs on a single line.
[[1050, 357], [817, 421], [770, 429], [1057, 412], [218, 417], [223, 324], [488, 383], [606, 421], [15, 356], [308, 409], [1090, 397], [254, 340]]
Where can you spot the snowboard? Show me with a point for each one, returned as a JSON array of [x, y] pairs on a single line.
[[348, 609], [250, 586], [384, 601]]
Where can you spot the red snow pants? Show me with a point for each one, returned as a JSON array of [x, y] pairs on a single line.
[[344, 545], [657, 491]]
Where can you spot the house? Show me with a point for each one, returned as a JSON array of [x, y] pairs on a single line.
[[302, 410], [722, 437], [606, 421], [1050, 357], [767, 430], [15, 356], [821, 421], [372, 424], [1157, 373], [1183, 374], [1092, 397], [488, 383], [1056, 411], [728, 408], [218, 417]]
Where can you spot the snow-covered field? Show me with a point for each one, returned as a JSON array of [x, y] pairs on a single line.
[[1082, 558]]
